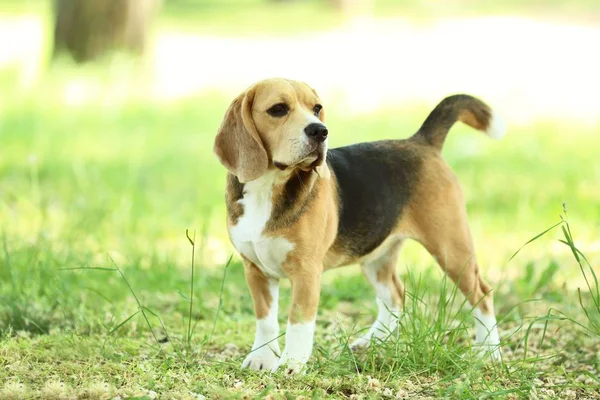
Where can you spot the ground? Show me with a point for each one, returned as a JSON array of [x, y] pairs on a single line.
[[100, 298]]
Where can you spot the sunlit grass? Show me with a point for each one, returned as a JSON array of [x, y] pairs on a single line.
[[114, 163], [85, 183]]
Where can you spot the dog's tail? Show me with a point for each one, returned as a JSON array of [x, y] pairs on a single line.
[[460, 107]]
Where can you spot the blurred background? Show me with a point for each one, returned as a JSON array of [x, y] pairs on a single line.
[[108, 110], [534, 59]]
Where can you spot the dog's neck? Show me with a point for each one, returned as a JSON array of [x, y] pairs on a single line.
[[285, 193]]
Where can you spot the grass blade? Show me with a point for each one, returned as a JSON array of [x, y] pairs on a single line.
[[159, 320], [140, 306], [212, 332], [535, 238], [191, 300], [123, 323]]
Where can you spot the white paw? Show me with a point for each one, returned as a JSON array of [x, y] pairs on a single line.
[[262, 359], [379, 332], [361, 343], [487, 339], [496, 354], [489, 350], [298, 347], [289, 365], [382, 328]]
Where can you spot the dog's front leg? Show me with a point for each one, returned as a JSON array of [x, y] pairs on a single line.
[[265, 294], [300, 332]]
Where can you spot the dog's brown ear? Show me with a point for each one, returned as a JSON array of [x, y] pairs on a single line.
[[238, 144]]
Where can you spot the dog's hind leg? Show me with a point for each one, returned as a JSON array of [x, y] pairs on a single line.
[[443, 230], [381, 273]]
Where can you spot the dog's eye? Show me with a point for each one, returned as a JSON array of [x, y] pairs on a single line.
[[278, 110], [317, 109]]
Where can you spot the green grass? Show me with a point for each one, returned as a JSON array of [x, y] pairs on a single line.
[[82, 185]]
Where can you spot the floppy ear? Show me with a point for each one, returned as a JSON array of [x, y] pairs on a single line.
[[238, 144]]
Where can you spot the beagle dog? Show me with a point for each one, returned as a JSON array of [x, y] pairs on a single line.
[[296, 209]]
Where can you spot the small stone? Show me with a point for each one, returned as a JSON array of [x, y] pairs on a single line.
[[373, 383]]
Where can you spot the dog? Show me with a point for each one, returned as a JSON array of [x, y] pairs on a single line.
[[296, 209]]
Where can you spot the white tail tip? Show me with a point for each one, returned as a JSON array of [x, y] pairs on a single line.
[[497, 127]]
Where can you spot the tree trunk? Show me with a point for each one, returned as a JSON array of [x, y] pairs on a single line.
[[90, 29]]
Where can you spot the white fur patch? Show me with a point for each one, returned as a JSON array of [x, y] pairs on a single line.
[[382, 328], [487, 338], [265, 350], [323, 170], [299, 340], [497, 127], [388, 313], [268, 253], [381, 252]]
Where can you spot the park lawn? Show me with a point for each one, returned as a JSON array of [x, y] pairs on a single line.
[[428, 358], [95, 200], [89, 192]]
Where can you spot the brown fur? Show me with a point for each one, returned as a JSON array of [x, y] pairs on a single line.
[[438, 220], [258, 284], [238, 144], [234, 193], [306, 202], [304, 264], [464, 108]]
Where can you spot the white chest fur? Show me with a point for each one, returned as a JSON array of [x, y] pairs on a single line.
[[268, 253]]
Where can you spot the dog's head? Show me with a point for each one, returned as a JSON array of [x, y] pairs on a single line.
[[275, 123]]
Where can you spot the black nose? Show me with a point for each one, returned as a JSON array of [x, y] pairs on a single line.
[[316, 131]]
